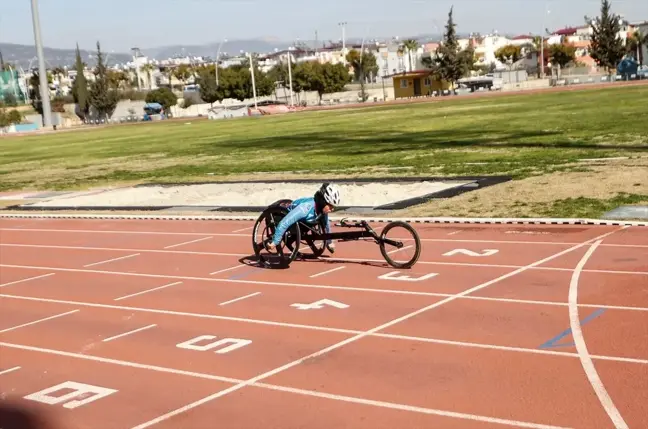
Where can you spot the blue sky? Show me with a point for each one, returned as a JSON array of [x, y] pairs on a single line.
[[120, 24]]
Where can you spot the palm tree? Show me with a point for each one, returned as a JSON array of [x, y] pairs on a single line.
[[409, 45], [148, 69], [635, 43]]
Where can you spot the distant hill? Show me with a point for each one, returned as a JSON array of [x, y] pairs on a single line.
[[24, 54]]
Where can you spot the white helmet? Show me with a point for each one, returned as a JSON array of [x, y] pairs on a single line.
[[331, 194]]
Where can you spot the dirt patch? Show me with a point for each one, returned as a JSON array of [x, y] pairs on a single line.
[[528, 197], [596, 180]]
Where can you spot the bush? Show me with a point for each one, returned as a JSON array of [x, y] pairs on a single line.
[[10, 99], [164, 96], [14, 117]]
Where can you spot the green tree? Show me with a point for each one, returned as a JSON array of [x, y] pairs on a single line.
[[301, 78], [10, 99], [209, 91], [8, 118], [265, 86], [164, 96], [118, 79], [562, 54], [34, 91], [103, 96], [80, 87], [450, 63], [606, 47], [328, 78], [507, 53], [635, 43], [183, 72], [363, 65], [14, 116]]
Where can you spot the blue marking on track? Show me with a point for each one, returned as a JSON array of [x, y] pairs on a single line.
[[552, 342]]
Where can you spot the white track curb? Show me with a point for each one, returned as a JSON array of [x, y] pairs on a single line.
[[433, 220]]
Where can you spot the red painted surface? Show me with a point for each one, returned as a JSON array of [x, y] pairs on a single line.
[[453, 373], [141, 394]]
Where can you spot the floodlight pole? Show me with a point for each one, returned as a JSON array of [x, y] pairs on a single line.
[[42, 71], [249, 55], [292, 100]]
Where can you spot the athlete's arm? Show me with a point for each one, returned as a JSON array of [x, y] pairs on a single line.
[[295, 215], [327, 223]]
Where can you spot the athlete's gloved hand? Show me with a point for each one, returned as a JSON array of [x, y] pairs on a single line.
[[331, 247]]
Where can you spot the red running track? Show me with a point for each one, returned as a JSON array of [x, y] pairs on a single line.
[[166, 324]]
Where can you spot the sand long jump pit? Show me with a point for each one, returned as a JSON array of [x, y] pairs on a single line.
[[357, 194]]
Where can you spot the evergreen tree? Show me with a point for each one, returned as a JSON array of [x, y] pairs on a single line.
[[80, 87], [103, 97], [606, 47], [450, 63]]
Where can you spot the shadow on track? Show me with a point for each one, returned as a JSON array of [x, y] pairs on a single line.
[[252, 261]]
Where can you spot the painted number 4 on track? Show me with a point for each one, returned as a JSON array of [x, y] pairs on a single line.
[[320, 304], [485, 252]]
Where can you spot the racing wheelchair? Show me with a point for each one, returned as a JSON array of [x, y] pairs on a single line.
[[315, 237]]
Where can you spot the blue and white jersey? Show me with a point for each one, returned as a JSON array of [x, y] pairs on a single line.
[[301, 209]]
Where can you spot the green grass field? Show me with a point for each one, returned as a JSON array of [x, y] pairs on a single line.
[[521, 135]]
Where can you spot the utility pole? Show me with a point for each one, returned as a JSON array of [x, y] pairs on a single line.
[[253, 80], [42, 71], [136, 55], [343, 25], [545, 12], [292, 100], [220, 46]]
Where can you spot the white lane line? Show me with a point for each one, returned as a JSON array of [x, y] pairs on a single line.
[[182, 313], [243, 229], [229, 269], [111, 260], [344, 331], [327, 272], [315, 286], [106, 231], [357, 337], [7, 371], [129, 332], [26, 280], [332, 259], [147, 291], [240, 299], [304, 392], [581, 347], [202, 234], [399, 250], [38, 321], [409, 408], [188, 242]]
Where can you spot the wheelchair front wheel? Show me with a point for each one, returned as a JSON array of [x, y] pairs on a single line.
[[262, 234]]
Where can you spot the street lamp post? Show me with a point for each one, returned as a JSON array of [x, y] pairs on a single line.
[[254, 94], [292, 100], [42, 72], [136, 54], [220, 46]]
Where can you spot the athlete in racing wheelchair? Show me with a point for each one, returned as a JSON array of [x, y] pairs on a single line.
[[309, 210]]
